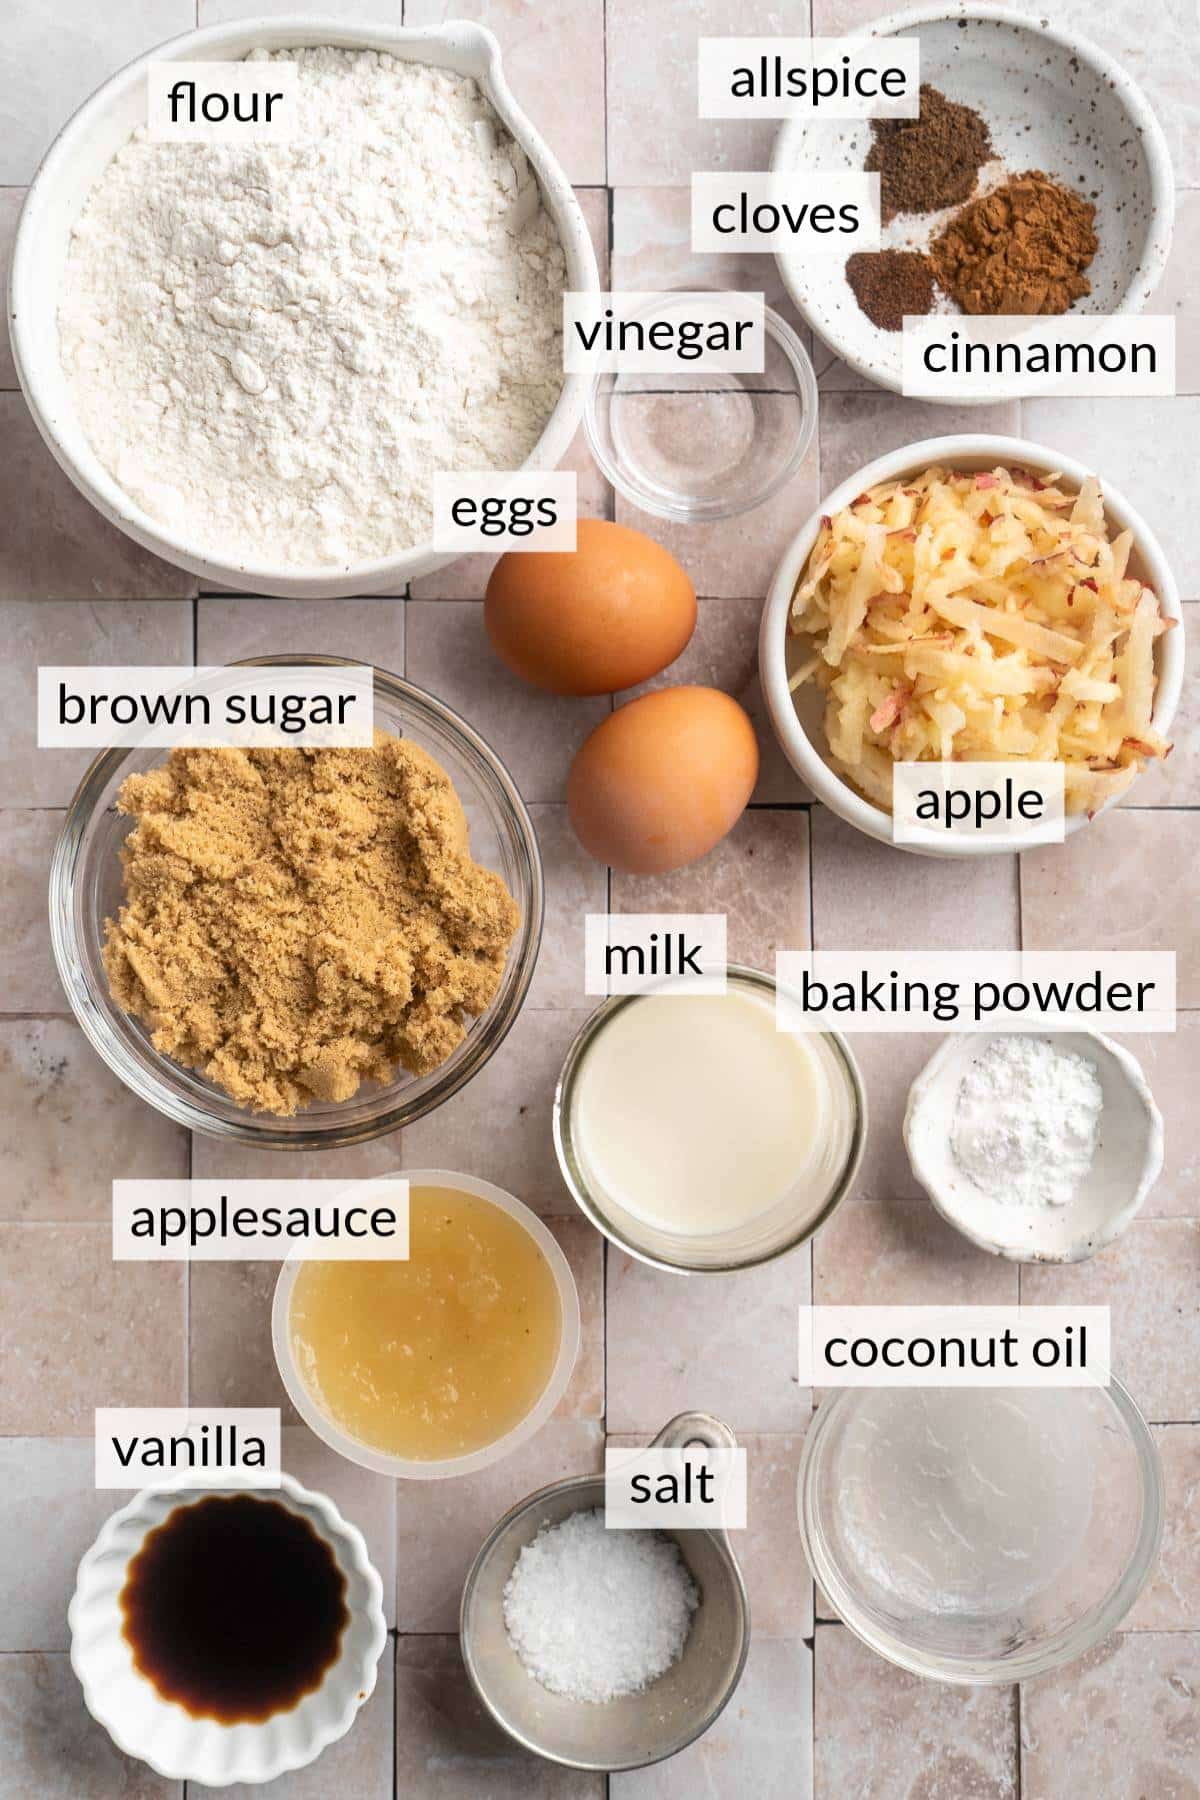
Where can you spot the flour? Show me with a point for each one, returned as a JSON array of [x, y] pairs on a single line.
[[1026, 1120], [273, 346]]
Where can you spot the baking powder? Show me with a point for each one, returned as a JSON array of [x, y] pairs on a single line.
[[273, 346], [1026, 1120]]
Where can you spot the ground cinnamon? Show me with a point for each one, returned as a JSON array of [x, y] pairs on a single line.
[[1020, 249], [297, 922], [929, 162]]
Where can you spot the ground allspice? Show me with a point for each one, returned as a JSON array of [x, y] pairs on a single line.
[[930, 162], [889, 283], [1020, 249]]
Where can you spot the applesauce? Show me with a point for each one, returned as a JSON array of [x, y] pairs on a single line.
[[438, 1356]]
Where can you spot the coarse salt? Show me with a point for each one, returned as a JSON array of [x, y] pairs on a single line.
[[593, 1613]]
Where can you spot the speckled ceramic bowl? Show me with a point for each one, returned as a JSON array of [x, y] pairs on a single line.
[[1052, 101]]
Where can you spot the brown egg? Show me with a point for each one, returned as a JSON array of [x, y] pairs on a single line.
[[663, 779], [610, 613]]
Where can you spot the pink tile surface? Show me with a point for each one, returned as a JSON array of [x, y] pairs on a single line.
[[575, 886], [858, 427], [724, 1344], [1168, 1063], [889, 1064], [63, 633], [55, 545], [764, 1734], [467, 577], [212, 1158], [370, 631], [48, 1496], [436, 1544], [903, 1253], [78, 1331], [501, 1120], [90, 1128], [48, 81], [654, 136], [881, 1732], [231, 1361], [867, 897], [1122, 1721], [1179, 292], [777, 1575], [723, 653], [1093, 881], [28, 981], [11, 200], [52, 1749], [757, 876], [541, 41], [534, 734], [652, 249], [1151, 1280]]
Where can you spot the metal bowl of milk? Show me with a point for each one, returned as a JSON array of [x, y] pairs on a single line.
[[697, 1135]]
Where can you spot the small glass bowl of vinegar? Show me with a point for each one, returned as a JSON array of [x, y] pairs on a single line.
[[464, 1349]]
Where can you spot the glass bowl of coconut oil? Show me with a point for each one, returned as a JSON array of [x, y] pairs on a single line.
[[981, 1535]]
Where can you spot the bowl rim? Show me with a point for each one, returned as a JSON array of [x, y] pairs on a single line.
[[590, 1492], [962, 449], [591, 1207], [382, 1462], [1071, 1644], [1118, 1057], [1161, 220], [706, 512], [347, 1543], [27, 296], [153, 1087]]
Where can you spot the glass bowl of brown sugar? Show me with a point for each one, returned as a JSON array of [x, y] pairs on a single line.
[[89, 884]]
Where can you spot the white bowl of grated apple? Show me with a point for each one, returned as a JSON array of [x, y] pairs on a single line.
[[966, 599]]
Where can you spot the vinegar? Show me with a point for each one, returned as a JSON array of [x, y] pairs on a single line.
[[443, 1354]]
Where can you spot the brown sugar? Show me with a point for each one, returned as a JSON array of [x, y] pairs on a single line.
[[297, 922], [1020, 249], [930, 162]]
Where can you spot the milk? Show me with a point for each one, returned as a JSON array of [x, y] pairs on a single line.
[[696, 1116]]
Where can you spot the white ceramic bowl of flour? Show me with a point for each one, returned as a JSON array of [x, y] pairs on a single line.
[[1011, 1214], [62, 187]]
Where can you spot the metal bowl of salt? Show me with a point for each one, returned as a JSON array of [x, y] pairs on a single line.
[[632, 1730]]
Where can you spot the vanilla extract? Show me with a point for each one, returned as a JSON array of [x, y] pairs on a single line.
[[234, 1608]]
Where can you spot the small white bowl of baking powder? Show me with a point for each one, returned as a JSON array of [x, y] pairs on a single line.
[[1039, 1148]]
